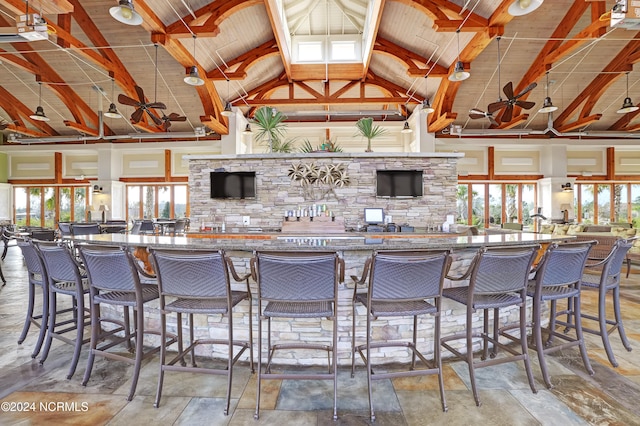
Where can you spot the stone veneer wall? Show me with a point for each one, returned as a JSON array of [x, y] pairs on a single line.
[[276, 192]]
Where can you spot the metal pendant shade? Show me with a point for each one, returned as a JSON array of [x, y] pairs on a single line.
[[194, 79], [459, 74], [627, 105], [406, 128], [125, 13], [547, 106], [426, 106], [523, 7], [39, 115]]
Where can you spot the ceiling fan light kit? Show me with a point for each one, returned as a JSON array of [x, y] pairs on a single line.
[[125, 13], [524, 7]]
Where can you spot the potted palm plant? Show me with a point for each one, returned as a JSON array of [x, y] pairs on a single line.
[[368, 130], [272, 129]]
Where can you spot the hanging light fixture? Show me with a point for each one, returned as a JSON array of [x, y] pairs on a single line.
[[547, 106], [227, 112], [125, 13], [247, 129], [112, 112], [426, 106], [39, 114], [193, 79], [406, 128], [523, 7], [459, 74], [566, 187], [627, 105]]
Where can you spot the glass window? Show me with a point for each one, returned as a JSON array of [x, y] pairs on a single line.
[[604, 203], [310, 51], [477, 205], [164, 202], [462, 204], [511, 195], [35, 207], [133, 202], [49, 207], [586, 203], [180, 200], [148, 202], [620, 203], [64, 204], [495, 205], [80, 204], [343, 50], [528, 206], [635, 205], [20, 206]]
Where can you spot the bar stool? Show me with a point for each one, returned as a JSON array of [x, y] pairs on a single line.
[[197, 282], [65, 278], [114, 280], [606, 279], [297, 285], [558, 276], [498, 278], [37, 280], [401, 284]]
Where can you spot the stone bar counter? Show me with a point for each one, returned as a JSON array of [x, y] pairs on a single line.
[[354, 248]]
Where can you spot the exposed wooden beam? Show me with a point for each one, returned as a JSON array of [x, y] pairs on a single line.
[[278, 27], [417, 66], [376, 7], [208, 18], [237, 67]]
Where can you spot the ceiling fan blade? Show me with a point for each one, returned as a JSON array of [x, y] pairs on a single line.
[[125, 100], [525, 104], [4, 126], [176, 117], [508, 114], [527, 89], [475, 115], [140, 93], [508, 90], [159, 121], [496, 106], [137, 115], [157, 105]]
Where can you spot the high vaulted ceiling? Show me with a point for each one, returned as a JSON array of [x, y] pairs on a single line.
[[242, 49]]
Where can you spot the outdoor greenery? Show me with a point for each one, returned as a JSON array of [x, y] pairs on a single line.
[[327, 146]]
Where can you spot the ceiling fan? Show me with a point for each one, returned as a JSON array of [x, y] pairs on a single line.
[[167, 119], [475, 113], [511, 101], [142, 106], [4, 123]]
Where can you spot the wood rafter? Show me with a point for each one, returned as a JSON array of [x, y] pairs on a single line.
[[446, 15], [594, 90], [417, 66], [207, 18], [16, 110], [237, 67]]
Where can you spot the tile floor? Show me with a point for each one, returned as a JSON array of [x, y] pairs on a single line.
[[610, 397]]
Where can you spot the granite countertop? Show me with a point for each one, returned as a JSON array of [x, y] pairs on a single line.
[[338, 242]]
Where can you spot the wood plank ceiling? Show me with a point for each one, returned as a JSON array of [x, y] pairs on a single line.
[[239, 48]]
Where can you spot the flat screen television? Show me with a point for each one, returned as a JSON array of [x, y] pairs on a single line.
[[399, 183], [233, 185]]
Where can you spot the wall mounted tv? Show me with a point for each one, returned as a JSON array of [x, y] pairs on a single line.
[[399, 183], [233, 185]]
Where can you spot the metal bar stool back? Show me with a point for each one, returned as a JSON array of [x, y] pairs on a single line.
[[498, 278], [297, 285], [197, 282], [401, 284]]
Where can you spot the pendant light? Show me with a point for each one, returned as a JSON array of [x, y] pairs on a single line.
[[39, 114], [227, 112], [193, 79], [247, 129], [523, 7], [112, 112], [125, 13], [459, 74], [426, 106], [406, 128], [547, 106], [627, 105]]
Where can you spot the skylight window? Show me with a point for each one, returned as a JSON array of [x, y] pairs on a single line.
[[310, 51], [343, 50]]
